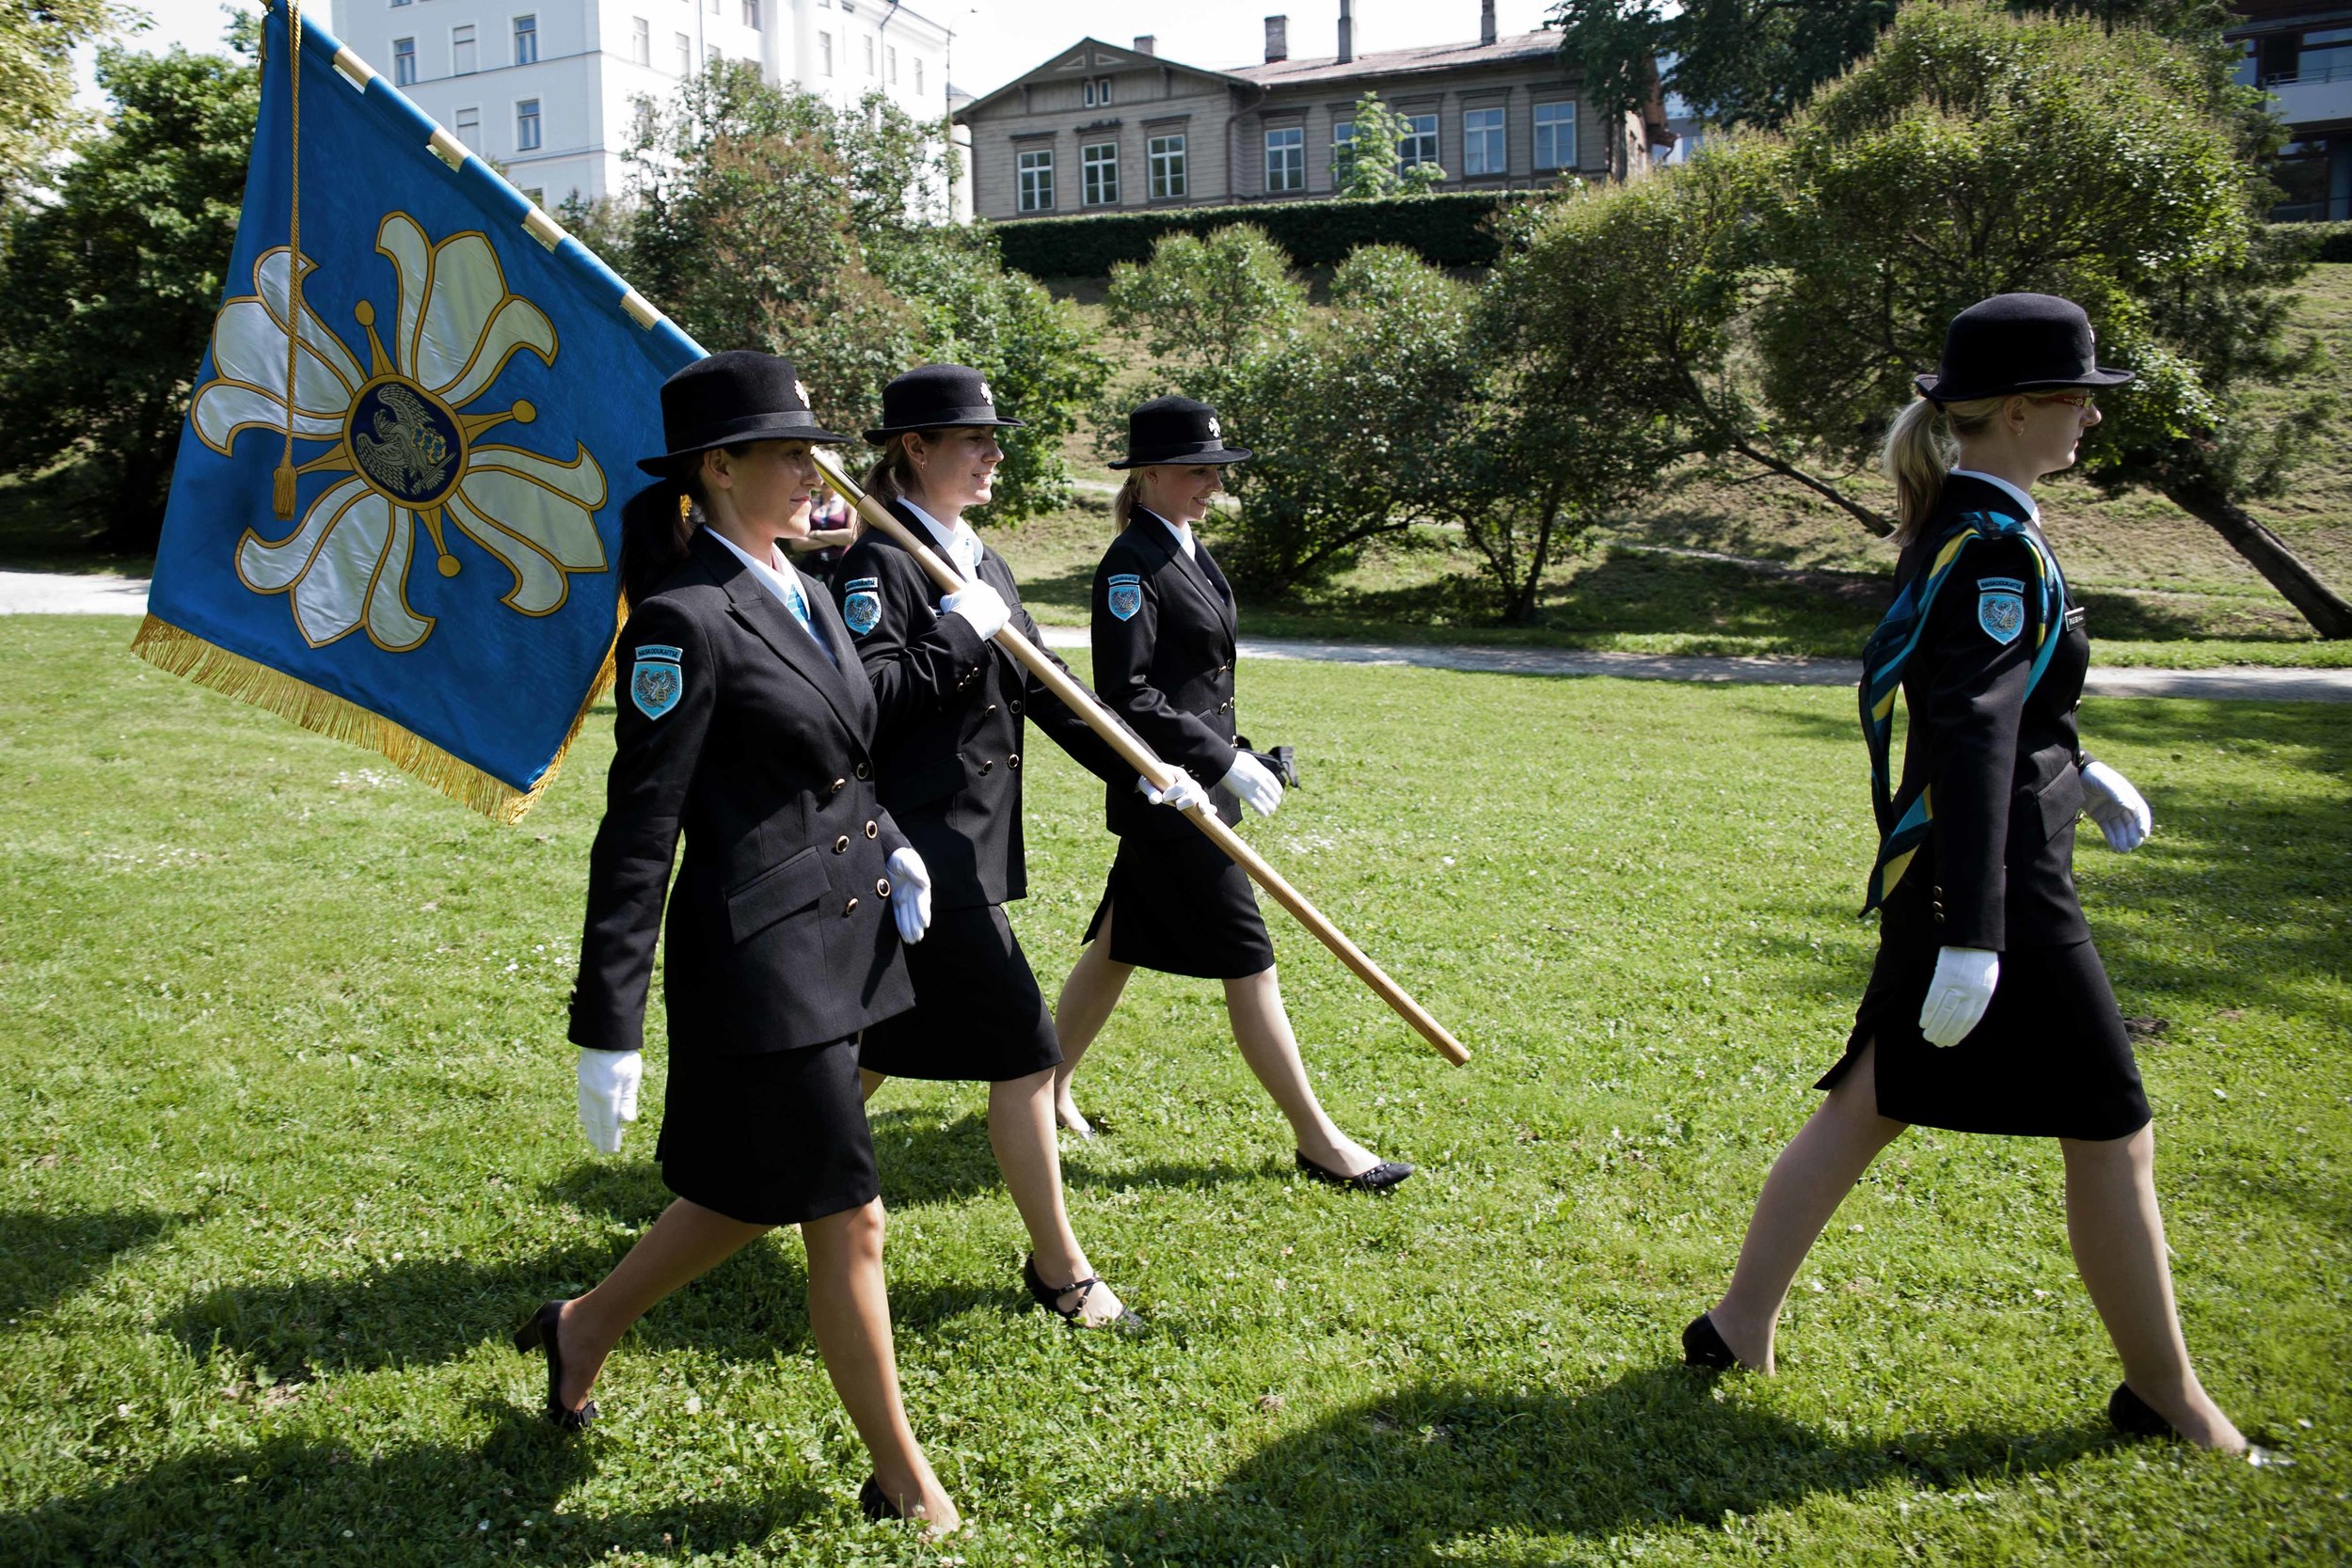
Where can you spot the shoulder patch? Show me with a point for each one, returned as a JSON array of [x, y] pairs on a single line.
[[862, 609], [658, 680], [854, 584], [1126, 595], [2000, 611]]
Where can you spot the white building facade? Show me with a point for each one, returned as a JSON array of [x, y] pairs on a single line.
[[547, 89]]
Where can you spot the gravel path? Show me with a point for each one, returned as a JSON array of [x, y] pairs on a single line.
[[56, 594]]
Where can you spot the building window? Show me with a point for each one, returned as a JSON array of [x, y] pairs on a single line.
[[461, 50], [1037, 182], [535, 194], [470, 129], [639, 41], [1098, 92], [526, 41], [685, 54], [1419, 144], [1343, 152], [401, 1], [403, 62], [711, 6], [1482, 142], [1555, 136], [751, 14], [1098, 175], [1165, 157], [824, 54], [919, 75], [869, 53], [894, 64], [1286, 159], [527, 125]]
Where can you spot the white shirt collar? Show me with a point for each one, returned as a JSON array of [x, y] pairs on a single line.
[[768, 577], [2033, 513], [961, 545], [1184, 535]]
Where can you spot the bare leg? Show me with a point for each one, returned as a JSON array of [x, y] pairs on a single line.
[[850, 1312], [1021, 1130], [1808, 1182], [686, 1242], [1263, 1030], [1084, 1005], [2113, 1224]]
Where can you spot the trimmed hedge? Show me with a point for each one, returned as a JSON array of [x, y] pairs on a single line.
[[1449, 230], [2335, 241]]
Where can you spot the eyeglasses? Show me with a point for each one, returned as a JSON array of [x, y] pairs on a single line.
[[2084, 400]]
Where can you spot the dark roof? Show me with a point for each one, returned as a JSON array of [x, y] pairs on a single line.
[[1399, 62]]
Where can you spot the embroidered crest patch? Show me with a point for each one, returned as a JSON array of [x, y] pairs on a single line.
[[2000, 612], [656, 683], [862, 609], [1126, 595]]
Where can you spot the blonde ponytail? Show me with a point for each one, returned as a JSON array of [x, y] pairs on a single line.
[[1123, 504], [1922, 445], [893, 473]]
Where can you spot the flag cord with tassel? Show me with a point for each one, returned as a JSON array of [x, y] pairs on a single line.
[[282, 482]]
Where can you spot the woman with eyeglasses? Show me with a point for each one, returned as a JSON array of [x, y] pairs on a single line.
[[1988, 1010]]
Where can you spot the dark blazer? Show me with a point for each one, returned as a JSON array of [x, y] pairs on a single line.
[[780, 934], [1166, 667], [953, 716], [1998, 870]]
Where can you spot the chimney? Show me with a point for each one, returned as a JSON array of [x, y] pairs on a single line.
[[1347, 30], [1278, 44], [1486, 21], [1147, 45]]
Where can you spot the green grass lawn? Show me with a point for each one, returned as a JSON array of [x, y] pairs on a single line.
[[287, 1147]]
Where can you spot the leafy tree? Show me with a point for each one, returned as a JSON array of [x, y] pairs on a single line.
[[1208, 300], [36, 114], [767, 219], [107, 288], [1371, 166]]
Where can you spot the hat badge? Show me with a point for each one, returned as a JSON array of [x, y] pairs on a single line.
[[985, 396], [1215, 430], [799, 389]]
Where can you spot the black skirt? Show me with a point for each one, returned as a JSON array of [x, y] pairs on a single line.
[[2051, 1058], [978, 1016], [777, 1138], [1185, 908]]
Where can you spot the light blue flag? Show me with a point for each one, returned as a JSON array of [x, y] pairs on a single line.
[[471, 389]]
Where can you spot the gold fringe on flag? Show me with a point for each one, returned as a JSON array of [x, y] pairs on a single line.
[[184, 653]]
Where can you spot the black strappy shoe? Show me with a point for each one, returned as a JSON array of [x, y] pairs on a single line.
[[2135, 1417], [1704, 1347], [540, 1334], [875, 1504], [1379, 1178], [1049, 1297]]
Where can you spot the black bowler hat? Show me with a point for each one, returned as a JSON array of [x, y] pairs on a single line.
[[2017, 343], [736, 395], [936, 396], [1176, 430]]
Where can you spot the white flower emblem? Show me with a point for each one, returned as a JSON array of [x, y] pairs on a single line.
[[399, 434], [1215, 433], [799, 389], [985, 396]]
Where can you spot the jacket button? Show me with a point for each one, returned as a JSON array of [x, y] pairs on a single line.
[[837, 786], [872, 829], [987, 762], [1016, 704], [849, 908], [881, 887], [841, 845], [986, 711], [863, 771], [1014, 761]]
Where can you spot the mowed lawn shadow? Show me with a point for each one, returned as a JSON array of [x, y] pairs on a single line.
[[309, 1499], [46, 1256], [1405, 1478]]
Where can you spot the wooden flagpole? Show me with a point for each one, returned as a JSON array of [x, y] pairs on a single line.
[[1142, 759]]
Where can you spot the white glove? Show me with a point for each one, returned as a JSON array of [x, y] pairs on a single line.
[[1184, 792], [979, 604], [2117, 807], [1252, 785], [910, 895], [608, 1095], [1956, 997]]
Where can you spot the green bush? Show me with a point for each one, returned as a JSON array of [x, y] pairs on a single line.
[[1453, 229], [2331, 242]]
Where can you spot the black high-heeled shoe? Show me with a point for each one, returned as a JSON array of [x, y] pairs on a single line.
[[875, 1504], [1701, 1346], [2135, 1417], [1379, 1178], [539, 1334], [1049, 1297]]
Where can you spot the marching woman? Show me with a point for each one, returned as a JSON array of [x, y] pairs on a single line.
[[1988, 1010], [954, 710], [745, 722], [1164, 648]]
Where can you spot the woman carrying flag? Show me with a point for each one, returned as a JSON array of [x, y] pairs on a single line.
[[1164, 646], [1989, 1010], [745, 722], [955, 711]]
